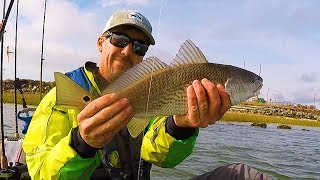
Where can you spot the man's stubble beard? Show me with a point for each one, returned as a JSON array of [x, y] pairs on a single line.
[[116, 73]]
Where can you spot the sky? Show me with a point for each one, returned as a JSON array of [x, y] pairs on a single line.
[[280, 37]]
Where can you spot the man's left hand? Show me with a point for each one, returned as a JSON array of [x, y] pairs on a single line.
[[207, 103]]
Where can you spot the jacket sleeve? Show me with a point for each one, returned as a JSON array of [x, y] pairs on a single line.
[[47, 144], [162, 149]]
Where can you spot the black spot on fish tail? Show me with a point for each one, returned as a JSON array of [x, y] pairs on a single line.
[[86, 98]]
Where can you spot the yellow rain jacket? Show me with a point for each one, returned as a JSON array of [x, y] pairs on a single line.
[[50, 156]]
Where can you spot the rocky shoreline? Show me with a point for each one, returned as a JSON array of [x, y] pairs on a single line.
[[275, 111]]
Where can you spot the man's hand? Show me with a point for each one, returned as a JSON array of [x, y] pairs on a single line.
[[207, 103], [101, 119]]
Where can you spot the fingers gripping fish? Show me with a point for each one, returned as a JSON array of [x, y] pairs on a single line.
[[168, 86]]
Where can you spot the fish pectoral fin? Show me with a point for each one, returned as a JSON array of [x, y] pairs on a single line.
[[137, 125]]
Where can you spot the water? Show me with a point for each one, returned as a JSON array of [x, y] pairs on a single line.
[[282, 154], [9, 120]]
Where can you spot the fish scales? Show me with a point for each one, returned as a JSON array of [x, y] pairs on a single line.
[[168, 88]]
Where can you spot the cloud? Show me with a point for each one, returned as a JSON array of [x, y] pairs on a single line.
[[70, 38], [309, 77], [305, 99], [108, 3], [305, 96], [282, 36]]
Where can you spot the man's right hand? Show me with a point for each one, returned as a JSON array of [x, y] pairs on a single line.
[[102, 118]]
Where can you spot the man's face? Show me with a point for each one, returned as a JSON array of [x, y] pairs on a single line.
[[115, 60]]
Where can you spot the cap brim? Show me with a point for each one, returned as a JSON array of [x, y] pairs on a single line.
[[150, 37]]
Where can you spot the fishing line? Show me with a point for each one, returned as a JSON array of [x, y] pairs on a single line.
[[149, 90]]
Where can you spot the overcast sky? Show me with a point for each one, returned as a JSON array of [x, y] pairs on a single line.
[[281, 36]]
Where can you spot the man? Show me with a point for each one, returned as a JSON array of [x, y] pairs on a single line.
[[66, 143]]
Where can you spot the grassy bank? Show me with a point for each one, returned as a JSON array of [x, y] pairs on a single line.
[[30, 98], [243, 117]]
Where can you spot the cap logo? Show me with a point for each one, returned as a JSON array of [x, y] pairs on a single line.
[[136, 16]]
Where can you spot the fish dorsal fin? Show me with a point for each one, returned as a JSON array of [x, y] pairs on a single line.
[[188, 53], [144, 68]]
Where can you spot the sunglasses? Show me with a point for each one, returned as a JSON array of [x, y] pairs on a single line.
[[121, 41]]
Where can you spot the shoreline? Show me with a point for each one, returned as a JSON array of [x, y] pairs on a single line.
[[257, 118], [240, 113]]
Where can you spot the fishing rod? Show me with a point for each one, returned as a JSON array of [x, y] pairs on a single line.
[[4, 161], [15, 71], [5, 17], [42, 59]]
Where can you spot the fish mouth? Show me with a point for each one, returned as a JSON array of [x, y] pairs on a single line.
[[257, 91]]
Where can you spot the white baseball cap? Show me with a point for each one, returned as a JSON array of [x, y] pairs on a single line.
[[130, 17]]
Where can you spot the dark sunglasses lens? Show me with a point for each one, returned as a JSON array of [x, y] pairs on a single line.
[[139, 48], [119, 40]]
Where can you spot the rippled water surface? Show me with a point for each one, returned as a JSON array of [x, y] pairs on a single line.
[[282, 154], [9, 120]]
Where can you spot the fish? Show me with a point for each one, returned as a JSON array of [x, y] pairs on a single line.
[[155, 88]]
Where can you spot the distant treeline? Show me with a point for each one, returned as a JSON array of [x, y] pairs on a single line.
[[28, 85]]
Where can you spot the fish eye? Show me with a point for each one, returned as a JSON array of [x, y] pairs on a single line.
[[252, 80], [86, 98]]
